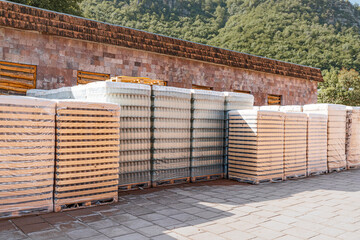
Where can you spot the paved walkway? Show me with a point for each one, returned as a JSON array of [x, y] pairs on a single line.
[[322, 207]]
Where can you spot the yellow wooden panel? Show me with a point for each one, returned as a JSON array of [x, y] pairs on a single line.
[[88, 77], [274, 99]]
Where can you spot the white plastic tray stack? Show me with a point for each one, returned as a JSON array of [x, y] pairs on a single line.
[[207, 152], [291, 108], [316, 144], [336, 133], [171, 134], [353, 137], [135, 125], [271, 108], [295, 145], [256, 146]]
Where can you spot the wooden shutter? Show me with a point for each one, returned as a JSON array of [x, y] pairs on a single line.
[[274, 99], [141, 80], [16, 78], [201, 87], [88, 77], [242, 91]]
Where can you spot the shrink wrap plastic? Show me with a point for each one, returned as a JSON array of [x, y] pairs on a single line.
[[317, 143], [353, 137], [135, 126], [256, 145], [27, 147], [336, 133], [270, 108], [207, 152], [171, 133], [295, 132], [291, 108], [87, 154]]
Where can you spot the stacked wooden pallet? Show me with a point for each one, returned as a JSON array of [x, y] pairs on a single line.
[[207, 142], [295, 131], [171, 135], [336, 133], [256, 146], [135, 121], [234, 101], [87, 154], [353, 137], [316, 144], [27, 147]]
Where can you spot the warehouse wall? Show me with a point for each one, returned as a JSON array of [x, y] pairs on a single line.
[[58, 59]]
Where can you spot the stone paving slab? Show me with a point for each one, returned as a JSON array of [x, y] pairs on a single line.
[[321, 207]]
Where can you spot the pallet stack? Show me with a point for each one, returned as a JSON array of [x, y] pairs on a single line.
[[27, 147], [295, 130], [207, 131], [256, 146], [353, 137], [171, 135], [316, 153], [87, 154], [336, 133], [135, 121], [234, 101]]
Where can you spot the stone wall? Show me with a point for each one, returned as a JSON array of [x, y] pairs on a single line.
[[58, 59]]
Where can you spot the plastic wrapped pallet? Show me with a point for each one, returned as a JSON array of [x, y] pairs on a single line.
[[207, 151], [27, 147], [295, 130], [316, 144], [336, 133], [35, 92], [353, 137], [291, 108], [171, 135], [234, 101], [135, 125], [256, 146], [87, 154]]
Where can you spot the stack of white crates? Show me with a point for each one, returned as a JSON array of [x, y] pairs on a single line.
[[135, 125], [207, 151], [234, 101], [171, 135], [336, 133], [316, 153], [353, 137], [256, 146]]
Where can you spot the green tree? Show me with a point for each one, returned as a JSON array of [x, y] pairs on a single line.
[[65, 6], [340, 87]]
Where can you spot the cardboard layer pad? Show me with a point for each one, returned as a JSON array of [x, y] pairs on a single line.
[[207, 133], [316, 143], [353, 137], [171, 133], [87, 154], [27, 147], [336, 133], [295, 144], [135, 124], [256, 145]]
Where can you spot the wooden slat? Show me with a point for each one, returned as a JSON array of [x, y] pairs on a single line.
[[60, 188], [87, 77], [86, 192]]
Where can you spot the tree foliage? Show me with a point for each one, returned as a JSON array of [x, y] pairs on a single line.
[[65, 6], [341, 87]]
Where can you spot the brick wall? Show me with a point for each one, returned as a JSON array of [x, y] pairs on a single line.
[[59, 58]]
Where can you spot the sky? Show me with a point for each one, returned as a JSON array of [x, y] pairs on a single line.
[[355, 1]]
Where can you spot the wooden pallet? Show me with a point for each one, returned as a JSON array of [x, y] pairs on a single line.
[[134, 186], [207, 177], [27, 147], [317, 173], [296, 176], [257, 181], [353, 167], [87, 154], [85, 204], [167, 182], [337, 169]]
